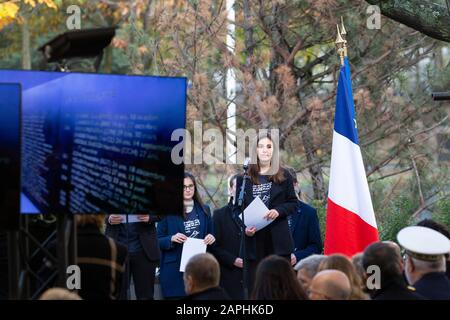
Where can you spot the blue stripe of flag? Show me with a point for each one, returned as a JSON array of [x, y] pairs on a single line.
[[345, 118]]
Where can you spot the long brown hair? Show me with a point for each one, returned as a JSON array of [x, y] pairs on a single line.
[[276, 280], [196, 197], [254, 168]]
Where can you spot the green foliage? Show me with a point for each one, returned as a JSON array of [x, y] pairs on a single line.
[[321, 214], [441, 213], [396, 217]]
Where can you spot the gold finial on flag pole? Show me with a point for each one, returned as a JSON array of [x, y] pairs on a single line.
[[344, 34], [340, 43]]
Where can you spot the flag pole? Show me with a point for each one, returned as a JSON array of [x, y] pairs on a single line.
[[340, 45], [344, 35]]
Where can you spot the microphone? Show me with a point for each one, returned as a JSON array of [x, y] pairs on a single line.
[[246, 163]]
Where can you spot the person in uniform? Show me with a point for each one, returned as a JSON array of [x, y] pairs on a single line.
[[439, 227], [424, 261], [392, 286]]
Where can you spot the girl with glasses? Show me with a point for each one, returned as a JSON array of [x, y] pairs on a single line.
[[173, 231]]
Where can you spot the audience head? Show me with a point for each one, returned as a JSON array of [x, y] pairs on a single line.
[[307, 269], [59, 294], [275, 280], [202, 272], [293, 174], [342, 263], [394, 245], [330, 285], [357, 263], [387, 257], [97, 220]]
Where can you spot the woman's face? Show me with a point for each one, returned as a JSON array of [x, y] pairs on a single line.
[[265, 150], [188, 188]]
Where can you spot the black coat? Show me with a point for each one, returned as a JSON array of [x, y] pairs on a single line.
[[227, 248], [101, 273], [282, 199], [147, 236], [434, 286], [96, 263], [396, 290], [216, 293]]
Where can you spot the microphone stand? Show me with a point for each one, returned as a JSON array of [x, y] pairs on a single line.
[[128, 264], [241, 206]]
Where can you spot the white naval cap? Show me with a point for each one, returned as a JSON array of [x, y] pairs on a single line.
[[423, 243]]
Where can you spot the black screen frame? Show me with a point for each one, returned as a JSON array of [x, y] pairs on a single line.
[[10, 213]]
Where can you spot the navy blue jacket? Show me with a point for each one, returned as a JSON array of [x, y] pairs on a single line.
[[306, 232], [434, 286], [170, 277]]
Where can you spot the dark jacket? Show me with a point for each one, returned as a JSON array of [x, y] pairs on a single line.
[[434, 286], [216, 293], [306, 232], [170, 278], [282, 199], [101, 260], [227, 229], [396, 289], [101, 272], [3, 267], [147, 236]]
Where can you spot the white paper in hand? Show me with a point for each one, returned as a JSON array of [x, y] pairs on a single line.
[[191, 247], [254, 214], [132, 218]]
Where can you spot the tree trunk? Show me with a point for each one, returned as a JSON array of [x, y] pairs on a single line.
[[425, 16], [26, 56], [248, 34], [108, 66], [316, 170], [147, 16], [277, 60]]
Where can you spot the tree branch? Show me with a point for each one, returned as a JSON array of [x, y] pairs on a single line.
[[425, 16]]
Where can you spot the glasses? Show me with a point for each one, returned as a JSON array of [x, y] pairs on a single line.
[[189, 187]]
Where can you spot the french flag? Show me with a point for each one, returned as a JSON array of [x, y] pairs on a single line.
[[350, 223]]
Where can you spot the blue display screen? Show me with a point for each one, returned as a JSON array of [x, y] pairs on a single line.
[[99, 143], [10, 96]]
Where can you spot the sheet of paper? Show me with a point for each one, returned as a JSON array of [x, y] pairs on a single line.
[[254, 214], [132, 218], [191, 247]]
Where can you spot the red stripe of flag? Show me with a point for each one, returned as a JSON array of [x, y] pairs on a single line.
[[347, 233]]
